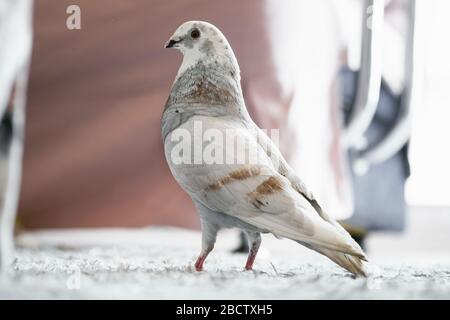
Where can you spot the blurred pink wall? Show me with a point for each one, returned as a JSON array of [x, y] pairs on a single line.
[[93, 152]]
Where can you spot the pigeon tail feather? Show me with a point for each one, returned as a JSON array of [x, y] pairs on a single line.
[[351, 263]]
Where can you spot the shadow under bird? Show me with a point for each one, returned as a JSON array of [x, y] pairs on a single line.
[[263, 196]]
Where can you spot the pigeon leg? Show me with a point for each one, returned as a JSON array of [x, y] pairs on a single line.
[[254, 241], [202, 257], [209, 235]]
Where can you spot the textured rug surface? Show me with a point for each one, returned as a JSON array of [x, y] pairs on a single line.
[[157, 263]]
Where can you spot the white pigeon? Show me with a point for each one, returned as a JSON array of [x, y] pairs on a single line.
[[263, 196]]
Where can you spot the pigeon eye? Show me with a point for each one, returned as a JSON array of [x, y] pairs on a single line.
[[195, 34]]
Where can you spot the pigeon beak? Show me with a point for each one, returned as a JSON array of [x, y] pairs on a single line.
[[171, 43]]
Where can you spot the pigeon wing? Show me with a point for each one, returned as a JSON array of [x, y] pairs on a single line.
[[258, 194]]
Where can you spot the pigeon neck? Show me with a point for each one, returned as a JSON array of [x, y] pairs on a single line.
[[211, 82]]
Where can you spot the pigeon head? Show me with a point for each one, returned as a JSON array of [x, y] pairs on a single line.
[[202, 42]]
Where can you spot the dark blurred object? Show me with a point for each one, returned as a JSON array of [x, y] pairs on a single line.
[[6, 131], [379, 193], [243, 244], [379, 163]]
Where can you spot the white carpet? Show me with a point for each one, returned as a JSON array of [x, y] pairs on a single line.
[[157, 263]]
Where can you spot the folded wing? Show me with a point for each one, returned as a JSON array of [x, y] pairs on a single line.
[[264, 195]]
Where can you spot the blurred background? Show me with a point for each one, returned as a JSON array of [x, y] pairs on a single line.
[[93, 150]]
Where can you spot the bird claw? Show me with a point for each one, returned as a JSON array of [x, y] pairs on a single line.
[[198, 269], [199, 264]]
